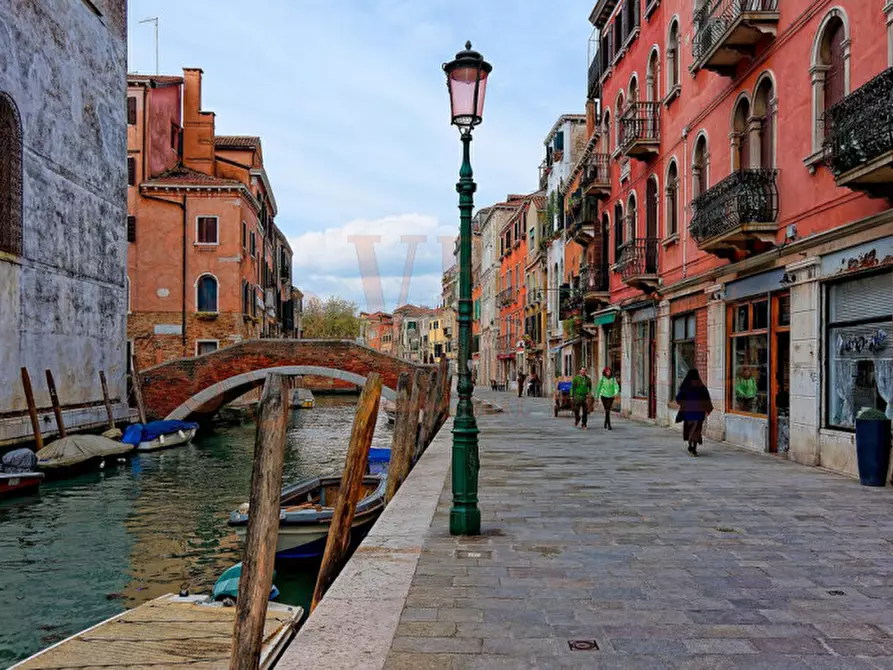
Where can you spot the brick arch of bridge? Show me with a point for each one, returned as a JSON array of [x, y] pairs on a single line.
[[201, 385]]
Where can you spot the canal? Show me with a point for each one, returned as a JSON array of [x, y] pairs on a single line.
[[89, 547]]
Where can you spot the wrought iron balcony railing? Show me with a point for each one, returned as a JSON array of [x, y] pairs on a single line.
[[593, 90], [639, 258], [859, 128], [640, 123], [745, 196], [597, 170], [505, 297], [713, 20], [594, 279]]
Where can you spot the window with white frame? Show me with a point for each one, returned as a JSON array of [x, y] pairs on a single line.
[[206, 294], [206, 230], [203, 347]]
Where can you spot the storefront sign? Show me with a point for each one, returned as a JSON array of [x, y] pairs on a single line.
[[765, 282], [874, 254], [646, 314]]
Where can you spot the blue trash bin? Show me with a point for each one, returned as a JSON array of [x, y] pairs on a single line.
[[873, 451]]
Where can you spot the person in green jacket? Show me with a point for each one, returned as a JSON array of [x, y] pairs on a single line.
[[581, 389], [607, 390], [745, 390]]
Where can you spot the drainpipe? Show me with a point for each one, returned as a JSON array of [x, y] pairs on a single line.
[[182, 206], [685, 206]]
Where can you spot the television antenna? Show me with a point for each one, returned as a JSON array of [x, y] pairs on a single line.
[[155, 21]]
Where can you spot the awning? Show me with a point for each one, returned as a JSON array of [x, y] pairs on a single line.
[[556, 349], [604, 319]]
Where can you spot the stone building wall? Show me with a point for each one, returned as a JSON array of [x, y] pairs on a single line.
[[62, 302]]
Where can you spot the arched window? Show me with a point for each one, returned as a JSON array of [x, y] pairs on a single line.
[[206, 294], [618, 231], [633, 90], [652, 76], [632, 218], [672, 198], [699, 164], [10, 177], [739, 136], [830, 69], [673, 56], [652, 202], [618, 114], [606, 133], [763, 129]]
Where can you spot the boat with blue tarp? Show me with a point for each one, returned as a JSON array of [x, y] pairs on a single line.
[[159, 434]]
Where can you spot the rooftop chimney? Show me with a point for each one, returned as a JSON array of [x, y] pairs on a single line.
[[198, 126]]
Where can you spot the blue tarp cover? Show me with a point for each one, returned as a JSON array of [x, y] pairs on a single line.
[[137, 433], [376, 454], [564, 387]]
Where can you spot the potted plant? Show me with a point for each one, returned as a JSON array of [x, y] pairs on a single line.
[[873, 447]]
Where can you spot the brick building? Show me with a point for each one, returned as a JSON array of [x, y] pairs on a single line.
[[377, 331], [207, 266], [734, 200]]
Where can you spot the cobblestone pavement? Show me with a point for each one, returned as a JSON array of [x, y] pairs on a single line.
[[731, 560]]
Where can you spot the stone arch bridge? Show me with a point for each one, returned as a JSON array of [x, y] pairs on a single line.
[[201, 385]]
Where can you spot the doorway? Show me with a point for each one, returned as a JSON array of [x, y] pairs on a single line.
[[780, 399], [652, 369]]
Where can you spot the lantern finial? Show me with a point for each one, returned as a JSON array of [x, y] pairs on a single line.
[[468, 44]]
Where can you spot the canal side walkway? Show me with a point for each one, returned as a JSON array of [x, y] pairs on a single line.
[[615, 550]]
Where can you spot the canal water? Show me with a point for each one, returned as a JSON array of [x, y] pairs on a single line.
[[89, 547]]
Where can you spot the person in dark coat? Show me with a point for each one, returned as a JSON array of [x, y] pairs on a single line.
[[694, 403]]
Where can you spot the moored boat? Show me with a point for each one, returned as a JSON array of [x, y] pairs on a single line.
[[79, 452], [302, 398], [18, 473], [306, 511], [159, 434], [170, 631]]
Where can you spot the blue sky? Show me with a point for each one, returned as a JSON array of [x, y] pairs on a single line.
[[351, 105]]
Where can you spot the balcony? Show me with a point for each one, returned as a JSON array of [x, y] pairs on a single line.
[[738, 215], [728, 31], [638, 264], [596, 179], [594, 284], [859, 138], [505, 297], [593, 90], [640, 130]]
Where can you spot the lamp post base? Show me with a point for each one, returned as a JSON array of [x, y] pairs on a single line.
[[465, 521]]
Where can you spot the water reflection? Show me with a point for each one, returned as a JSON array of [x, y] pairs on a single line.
[[89, 547]]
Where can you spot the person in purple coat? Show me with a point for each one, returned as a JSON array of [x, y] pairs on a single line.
[[695, 405]]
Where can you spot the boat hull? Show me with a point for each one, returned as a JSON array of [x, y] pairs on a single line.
[[169, 440], [304, 542], [16, 484]]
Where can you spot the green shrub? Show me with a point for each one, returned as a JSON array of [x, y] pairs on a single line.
[[872, 415]]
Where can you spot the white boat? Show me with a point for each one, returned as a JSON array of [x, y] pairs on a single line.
[[182, 436], [306, 511], [170, 631]]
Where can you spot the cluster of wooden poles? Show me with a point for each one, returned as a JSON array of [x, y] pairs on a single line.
[[57, 406], [423, 404]]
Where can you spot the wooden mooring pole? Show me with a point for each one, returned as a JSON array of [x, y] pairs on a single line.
[[338, 541], [137, 390], [263, 526], [32, 409], [106, 399], [57, 408], [403, 446]]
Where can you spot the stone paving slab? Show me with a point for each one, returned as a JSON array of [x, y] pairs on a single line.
[[730, 560]]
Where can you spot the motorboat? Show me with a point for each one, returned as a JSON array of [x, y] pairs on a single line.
[[159, 434], [227, 585], [306, 510], [18, 473], [80, 452]]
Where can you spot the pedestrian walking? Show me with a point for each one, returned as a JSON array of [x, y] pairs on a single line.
[[534, 386], [581, 389], [607, 390], [521, 379], [694, 403]]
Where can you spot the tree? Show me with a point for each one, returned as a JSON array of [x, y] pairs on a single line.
[[332, 319]]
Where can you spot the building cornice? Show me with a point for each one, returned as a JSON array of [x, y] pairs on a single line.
[[564, 118], [265, 180], [241, 189]]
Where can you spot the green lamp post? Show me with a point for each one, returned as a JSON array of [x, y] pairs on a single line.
[[467, 83]]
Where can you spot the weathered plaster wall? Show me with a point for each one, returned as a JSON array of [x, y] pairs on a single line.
[[62, 303]]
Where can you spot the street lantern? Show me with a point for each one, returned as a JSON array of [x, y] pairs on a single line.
[[467, 83]]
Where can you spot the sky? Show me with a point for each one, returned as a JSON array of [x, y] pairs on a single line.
[[351, 105]]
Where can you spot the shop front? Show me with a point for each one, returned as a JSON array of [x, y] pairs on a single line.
[[611, 350], [643, 369], [758, 349]]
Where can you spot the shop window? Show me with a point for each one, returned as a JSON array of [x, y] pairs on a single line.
[[860, 356], [641, 359], [683, 349], [749, 357]]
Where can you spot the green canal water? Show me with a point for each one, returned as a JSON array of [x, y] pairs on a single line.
[[88, 547]]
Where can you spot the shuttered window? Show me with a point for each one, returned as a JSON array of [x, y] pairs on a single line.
[[651, 202], [131, 229], [618, 232], [131, 172], [207, 230], [131, 111], [10, 178], [767, 138]]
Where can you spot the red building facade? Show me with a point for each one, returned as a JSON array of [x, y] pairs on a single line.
[[733, 199], [512, 294]]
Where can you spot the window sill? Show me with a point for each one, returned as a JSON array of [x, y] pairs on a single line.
[[670, 240], [207, 246], [814, 160], [650, 8], [672, 95], [631, 38], [206, 316], [751, 415]]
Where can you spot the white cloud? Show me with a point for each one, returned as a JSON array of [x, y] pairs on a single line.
[[367, 260]]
